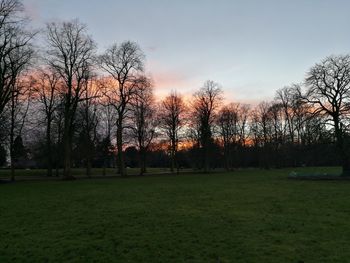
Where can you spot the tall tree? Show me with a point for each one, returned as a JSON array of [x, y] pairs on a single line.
[[290, 99], [88, 119], [70, 54], [15, 47], [123, 63], [172, 119], [143, 120], [328, 91], [227, 122], [45, 88], [206, 102], [107, 125], [18, 109]]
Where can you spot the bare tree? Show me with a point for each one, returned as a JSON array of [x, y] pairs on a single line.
[[45, 89], [290, 99], [70, 54], [172, 119], [227, 122], [261, 128], [15, 47], [276, 115], [328, 91], [206, 102], [232, 129], [15, 63], [106, 127], [123, 63], [88, 118], [57, 132], [18, 108], [143, 120]]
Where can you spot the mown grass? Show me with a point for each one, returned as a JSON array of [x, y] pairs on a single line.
[[243, 216], [77, 172]]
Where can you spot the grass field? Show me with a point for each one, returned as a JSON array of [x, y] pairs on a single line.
[[77, 172], [243, 216]]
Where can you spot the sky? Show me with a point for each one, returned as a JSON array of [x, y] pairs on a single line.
[[250, 47]]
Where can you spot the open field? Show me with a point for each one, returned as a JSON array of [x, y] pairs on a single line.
[[243, 216], [77, 172]]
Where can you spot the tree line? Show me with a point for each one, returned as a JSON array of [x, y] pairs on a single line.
[[64, 105]]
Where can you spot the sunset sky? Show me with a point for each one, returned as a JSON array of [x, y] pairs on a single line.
[[252, 48]]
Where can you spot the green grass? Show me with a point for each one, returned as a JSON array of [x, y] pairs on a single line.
[[243, 216], [77, 172]]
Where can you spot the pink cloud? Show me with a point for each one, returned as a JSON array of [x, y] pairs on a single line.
[[32, 10]]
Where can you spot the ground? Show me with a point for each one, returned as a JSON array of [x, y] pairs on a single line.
[[242, 216]]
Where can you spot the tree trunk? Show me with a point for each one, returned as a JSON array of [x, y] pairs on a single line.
[[104, 167], [176, 161], [345, 158], [206, 157], [120, 156], [58, 151], [12, 161], [227, 156], [12, 138], [48, 145], [172, 156], [142, 161], [88, 167], [67, 175], [88, 156]]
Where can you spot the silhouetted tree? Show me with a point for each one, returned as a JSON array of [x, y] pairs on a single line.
[[172, 120], [46, 88], [107, 125], [18, 150], [227, 122], [105, 153], [261, 130], [18, 109], [123, 63], [15, 47], [70, 54], [328, 91], [88, 122], [205, 105], [143, 120], [57, 132]]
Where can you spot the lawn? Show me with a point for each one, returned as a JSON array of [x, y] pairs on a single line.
[[243, 216], [77, 172]]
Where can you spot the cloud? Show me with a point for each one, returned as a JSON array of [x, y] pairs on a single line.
[[167, 79], [151, 48], [32, 10]]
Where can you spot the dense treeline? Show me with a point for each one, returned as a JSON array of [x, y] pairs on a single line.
[[63, 105]]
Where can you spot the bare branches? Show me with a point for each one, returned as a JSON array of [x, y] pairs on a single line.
[[206, 103], [15, 49], [124, 63], [328, 92], [328, 85], [172, 119], [71, 54], [143, 120]]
